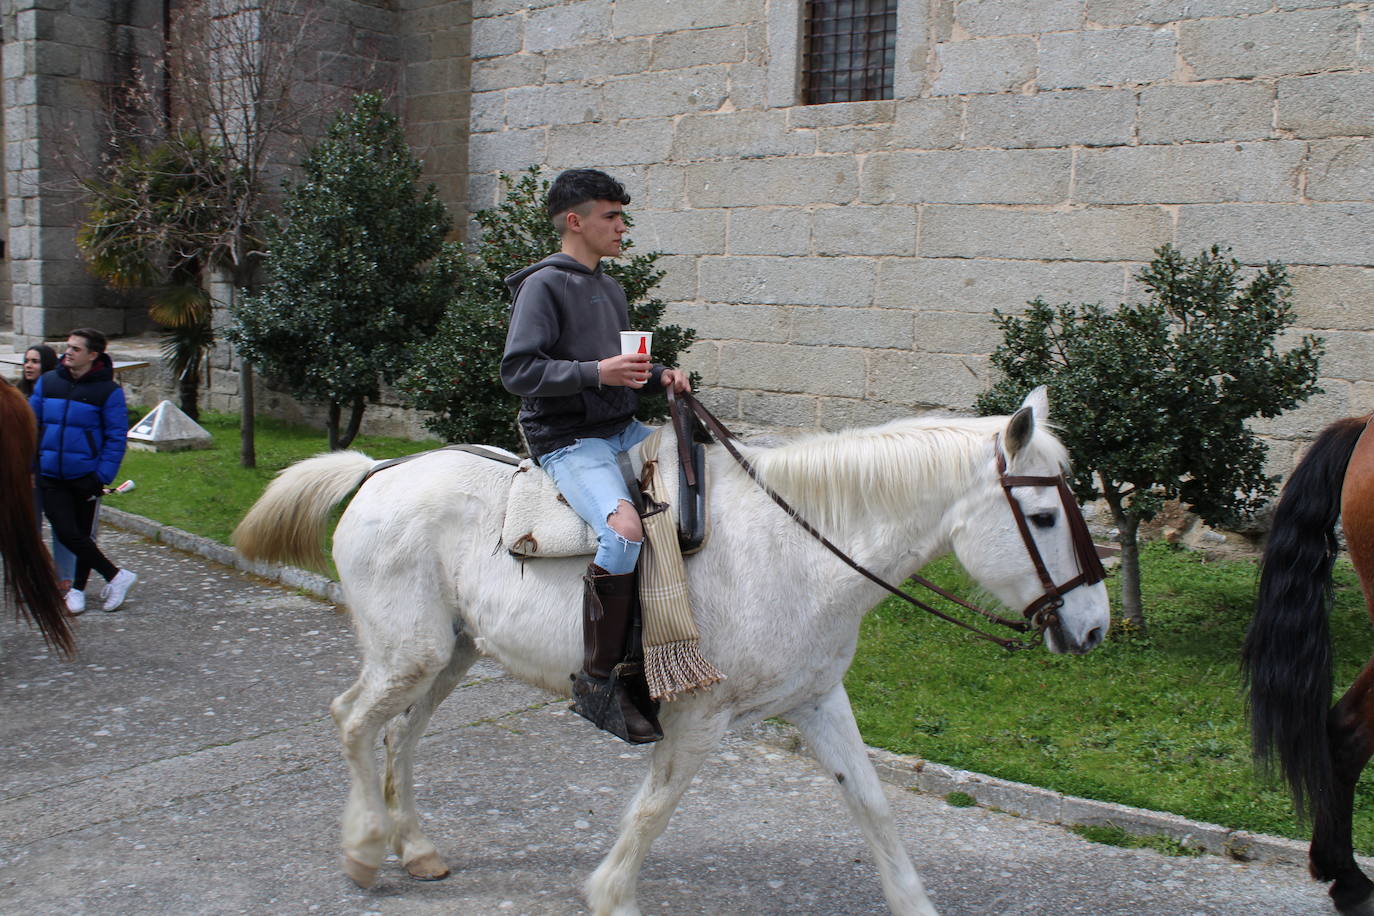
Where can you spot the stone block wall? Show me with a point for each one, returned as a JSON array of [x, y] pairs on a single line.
[[415, 52], [412, 51], [841, 262], [59, 62]]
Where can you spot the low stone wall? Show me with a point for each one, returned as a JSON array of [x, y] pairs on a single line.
[[145, 387]]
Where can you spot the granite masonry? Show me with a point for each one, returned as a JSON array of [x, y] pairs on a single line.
[[841, 262]]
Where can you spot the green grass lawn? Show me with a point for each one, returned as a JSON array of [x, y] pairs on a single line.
[[1155, 721], [206, 492]]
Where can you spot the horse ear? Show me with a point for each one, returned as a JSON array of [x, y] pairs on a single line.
[[1039, 403], [1020, 428]]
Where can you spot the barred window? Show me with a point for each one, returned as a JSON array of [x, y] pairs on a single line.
[[849, 52]]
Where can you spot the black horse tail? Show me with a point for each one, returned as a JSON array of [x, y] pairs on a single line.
[[1286, 660]]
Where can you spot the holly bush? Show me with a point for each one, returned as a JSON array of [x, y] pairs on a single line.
[[1152, 399]]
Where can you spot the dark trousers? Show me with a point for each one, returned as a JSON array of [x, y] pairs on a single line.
[[70, 507]]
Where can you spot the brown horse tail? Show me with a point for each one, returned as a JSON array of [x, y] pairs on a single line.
[[29, 579], [1286, 660]]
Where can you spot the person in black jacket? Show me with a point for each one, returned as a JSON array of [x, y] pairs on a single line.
[[579, 396], [82, 424]]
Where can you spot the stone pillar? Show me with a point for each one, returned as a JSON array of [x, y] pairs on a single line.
[[222, 370], [59, 65], [436, 43]]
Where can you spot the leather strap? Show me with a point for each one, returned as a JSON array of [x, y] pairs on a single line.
[[479, 450], [1085, 552], [627, 474], [682, 424]]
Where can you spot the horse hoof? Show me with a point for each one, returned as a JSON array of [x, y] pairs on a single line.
[[362, 875], [428, 867], [1363, 908]]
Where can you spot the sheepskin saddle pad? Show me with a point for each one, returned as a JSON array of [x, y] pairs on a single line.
[[540, 523]]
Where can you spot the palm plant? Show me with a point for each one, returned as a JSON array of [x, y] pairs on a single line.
[[155, 217]]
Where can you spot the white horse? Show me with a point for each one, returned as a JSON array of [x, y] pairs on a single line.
[[777, 613]]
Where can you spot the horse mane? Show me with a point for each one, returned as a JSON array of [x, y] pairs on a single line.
[[29, 578], [885, 470]]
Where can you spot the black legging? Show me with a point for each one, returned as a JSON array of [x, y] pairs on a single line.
[[70, 508]]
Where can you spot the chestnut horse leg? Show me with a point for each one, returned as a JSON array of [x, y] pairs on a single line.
[[1350, 726]]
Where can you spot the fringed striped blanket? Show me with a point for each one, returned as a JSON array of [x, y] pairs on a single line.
[[673, 663]]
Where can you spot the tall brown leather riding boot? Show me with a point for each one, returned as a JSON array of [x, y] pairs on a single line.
[[602, 692]]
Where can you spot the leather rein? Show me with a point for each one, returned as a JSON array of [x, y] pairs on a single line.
[[1040, 615]]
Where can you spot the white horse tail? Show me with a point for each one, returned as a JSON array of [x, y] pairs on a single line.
[[286, 524]]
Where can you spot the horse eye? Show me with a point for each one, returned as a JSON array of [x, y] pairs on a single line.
[[1043, 519]]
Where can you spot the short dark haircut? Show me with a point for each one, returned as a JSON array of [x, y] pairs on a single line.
[[95, 341], [577, 186]]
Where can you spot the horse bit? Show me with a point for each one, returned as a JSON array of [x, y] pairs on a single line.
[[1040, 615]]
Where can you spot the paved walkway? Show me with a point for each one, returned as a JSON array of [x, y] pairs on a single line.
[[185, 764]]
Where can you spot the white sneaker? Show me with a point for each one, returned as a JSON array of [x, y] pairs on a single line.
[[76, 602], [116, 589]]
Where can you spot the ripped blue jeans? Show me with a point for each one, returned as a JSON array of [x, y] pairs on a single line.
[[589, 479]]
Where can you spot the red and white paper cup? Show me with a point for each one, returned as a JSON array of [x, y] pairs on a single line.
[[636, 342]]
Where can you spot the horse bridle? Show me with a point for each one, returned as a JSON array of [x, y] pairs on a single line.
[[1040, 615], [1043, 612]]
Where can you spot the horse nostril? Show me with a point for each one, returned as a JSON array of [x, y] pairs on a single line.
[[1093, 638]]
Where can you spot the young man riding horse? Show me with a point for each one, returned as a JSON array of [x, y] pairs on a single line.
[[579, 397]]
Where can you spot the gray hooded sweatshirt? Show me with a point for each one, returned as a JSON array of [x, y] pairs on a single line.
[[564, 319]]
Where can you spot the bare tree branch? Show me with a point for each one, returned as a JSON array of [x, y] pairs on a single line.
[[193, 143]]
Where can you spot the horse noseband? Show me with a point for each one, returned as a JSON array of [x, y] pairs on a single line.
[[1043, 612]]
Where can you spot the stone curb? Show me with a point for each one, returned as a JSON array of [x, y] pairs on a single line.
[[906, 772], [1051, 807], [320, 586]]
